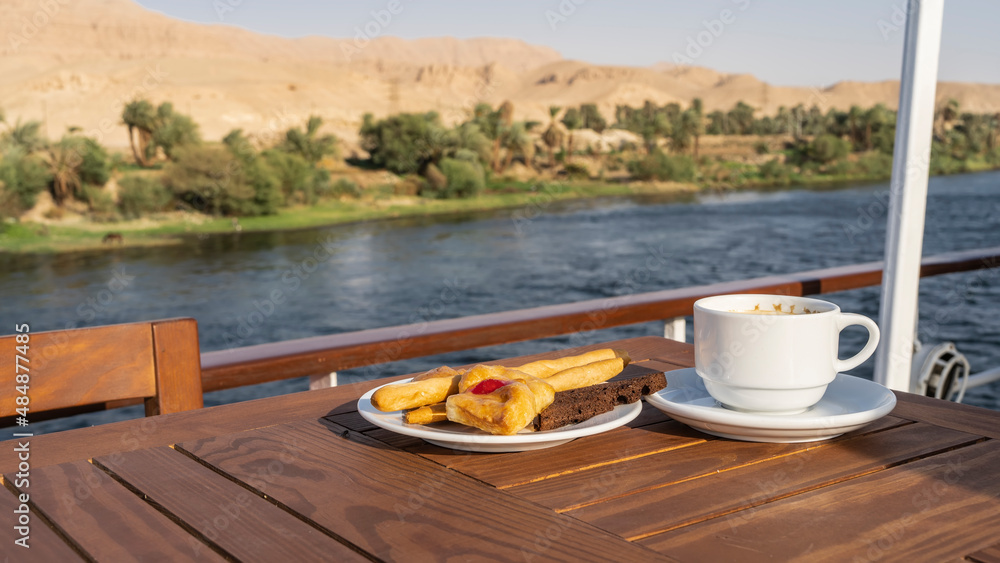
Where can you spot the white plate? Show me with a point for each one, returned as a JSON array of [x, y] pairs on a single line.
[[461, 437], [849, 403]]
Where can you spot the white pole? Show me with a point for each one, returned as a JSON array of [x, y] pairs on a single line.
[[908, 193]]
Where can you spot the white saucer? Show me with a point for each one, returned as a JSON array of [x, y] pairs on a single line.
[[459, 437], [849, 403]]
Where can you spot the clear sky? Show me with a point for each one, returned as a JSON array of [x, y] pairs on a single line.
[[784, 42]]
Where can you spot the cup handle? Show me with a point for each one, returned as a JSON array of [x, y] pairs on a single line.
[[850, 319]]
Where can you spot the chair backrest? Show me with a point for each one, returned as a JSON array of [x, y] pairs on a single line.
[[87, 369]]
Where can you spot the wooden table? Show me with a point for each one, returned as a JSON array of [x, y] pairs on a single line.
[[304, 477]]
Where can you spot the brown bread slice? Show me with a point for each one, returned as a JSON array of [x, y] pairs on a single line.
[[577, 405]]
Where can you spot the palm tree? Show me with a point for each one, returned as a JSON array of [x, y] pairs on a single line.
[[855, 117], [140, 117], [572, 120], [26, 135], [798, 117], [63, 161], [741, 116], [783, 120], [553, 136], [697, 125], [506, 113], [516, 141], [875, 118], [682, 132], [308, 144], [994, 136], [172, 130]]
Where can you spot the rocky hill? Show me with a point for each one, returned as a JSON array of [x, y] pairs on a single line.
[[76, 63]]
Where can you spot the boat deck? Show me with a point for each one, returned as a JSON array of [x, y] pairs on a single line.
[[305, 477]]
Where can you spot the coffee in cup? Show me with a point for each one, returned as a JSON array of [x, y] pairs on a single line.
[[772, 354]]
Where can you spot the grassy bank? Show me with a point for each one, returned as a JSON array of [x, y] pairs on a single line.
[[173, 228]]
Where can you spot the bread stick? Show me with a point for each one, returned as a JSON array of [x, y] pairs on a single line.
[[402, 396], [443, 371], [586, 375], [437, 412], [548, 368]]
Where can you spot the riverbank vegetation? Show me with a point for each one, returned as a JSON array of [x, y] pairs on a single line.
[[70, 192]]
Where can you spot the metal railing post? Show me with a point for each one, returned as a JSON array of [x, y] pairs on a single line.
[[675, 329], [322, 381]]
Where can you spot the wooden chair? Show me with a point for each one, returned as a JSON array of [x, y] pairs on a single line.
[[83, 370]]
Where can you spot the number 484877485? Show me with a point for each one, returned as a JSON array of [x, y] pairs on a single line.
[[21, 370]]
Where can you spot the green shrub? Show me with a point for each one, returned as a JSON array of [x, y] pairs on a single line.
[[436, 180], [210, 179], [296, 177], [839, 168], [876, 164], [95, 165], [660, 166], [467, 155], [345, 188], [22, 177], [774, 171], [403, 143], [102, 205], [827, 148], [945, 164], [576, 171], [139, 196], [760, 147], [465, 179]]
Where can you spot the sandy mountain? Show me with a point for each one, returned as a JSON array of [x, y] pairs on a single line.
[[77, 63]]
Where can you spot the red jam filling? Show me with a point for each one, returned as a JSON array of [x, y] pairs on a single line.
[[487, 386]]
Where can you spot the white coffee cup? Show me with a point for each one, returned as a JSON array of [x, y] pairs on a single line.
[[772, 354]]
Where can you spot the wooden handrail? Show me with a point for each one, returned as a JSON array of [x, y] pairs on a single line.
[[251, 365]]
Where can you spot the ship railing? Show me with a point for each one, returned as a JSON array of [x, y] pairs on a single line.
[[321, 357]]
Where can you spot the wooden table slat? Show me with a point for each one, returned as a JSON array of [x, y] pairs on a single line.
[[974, 420], [614, 446], [397, 506], [935, 509], [240, 522], [44, 544], [687, 502], [591, 486], [106, 520], [986, 555]]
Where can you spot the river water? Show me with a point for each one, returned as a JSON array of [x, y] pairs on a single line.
[[251, 288]]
